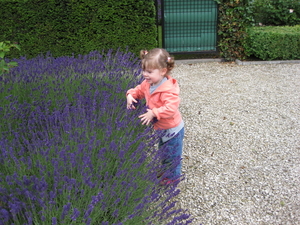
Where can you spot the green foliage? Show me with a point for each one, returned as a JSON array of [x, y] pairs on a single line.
[[234, 18], [78, 27], [276, 12], [271, 42], [5, 47]]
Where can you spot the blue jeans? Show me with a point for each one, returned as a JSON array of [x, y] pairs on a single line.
[[172, 152]]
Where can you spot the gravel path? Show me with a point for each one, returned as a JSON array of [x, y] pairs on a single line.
[[242, 143]]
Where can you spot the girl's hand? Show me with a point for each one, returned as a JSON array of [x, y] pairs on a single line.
[[130, 101], [147, 117]]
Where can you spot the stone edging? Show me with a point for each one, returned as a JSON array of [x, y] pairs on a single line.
[[192, 61], [238, 62], [243, 63]]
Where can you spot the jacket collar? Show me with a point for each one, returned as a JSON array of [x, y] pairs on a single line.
[[170, 85]]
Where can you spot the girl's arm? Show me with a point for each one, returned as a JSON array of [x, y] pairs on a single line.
[[137, 92], [130, 101], [169, 108], [147, 117], [133, 94]]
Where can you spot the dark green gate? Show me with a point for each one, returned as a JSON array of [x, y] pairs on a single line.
[[189, 25]]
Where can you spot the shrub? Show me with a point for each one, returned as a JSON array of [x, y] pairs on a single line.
[[67, 27], [270, 43], [234, 18], [276, 12], [71, 153]]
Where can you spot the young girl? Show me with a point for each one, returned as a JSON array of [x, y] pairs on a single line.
[[161, 92]]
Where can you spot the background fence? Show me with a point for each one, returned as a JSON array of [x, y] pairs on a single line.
[[189, 26]]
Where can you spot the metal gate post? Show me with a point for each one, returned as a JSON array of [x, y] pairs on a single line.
[[163, 22]]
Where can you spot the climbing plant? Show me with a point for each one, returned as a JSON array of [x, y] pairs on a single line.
[[234, 18]]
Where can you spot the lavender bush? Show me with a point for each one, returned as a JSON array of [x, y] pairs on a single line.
[[71, 153]]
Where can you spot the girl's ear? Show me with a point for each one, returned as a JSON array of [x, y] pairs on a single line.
[[164, 71]]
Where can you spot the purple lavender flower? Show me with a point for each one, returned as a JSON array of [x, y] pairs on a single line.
[[75, 214], [4, 215], [66, 209], [69, 145], [88, 221], [54, 221]]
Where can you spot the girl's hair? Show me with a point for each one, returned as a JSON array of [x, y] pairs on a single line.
[[157, 58]]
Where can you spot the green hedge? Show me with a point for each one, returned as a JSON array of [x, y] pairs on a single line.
[[234, 18], [64, 27], [276, 12], [269, 43]]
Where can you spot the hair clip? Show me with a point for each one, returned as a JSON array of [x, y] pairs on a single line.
[[169, 59], [145, 52]]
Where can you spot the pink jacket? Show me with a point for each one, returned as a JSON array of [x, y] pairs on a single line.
[[164, 102]]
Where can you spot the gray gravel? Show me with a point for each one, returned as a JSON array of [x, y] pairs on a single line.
[[242, 143]]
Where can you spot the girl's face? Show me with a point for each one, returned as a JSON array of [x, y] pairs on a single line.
[[154, 76]]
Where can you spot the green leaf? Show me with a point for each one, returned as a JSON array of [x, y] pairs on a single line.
[[2, 54], [12, 64], [18, 47], [5, 68]]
